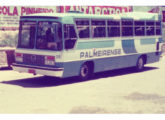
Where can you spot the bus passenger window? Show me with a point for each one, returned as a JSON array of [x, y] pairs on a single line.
[[139, 28], [158, 28], [113, 28], [98, 28], [83, 28], [69, 36], [127, 27], [150, 28]]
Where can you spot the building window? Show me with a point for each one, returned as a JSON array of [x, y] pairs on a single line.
[[98, 28], [113, 28]]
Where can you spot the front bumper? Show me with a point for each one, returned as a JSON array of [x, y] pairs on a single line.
[[56, 72]]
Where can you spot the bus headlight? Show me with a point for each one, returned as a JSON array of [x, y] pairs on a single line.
[[49, 60]]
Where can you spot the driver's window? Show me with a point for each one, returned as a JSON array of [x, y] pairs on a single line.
[[69, 36]]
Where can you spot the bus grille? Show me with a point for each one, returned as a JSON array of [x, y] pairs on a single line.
[[33, 59]]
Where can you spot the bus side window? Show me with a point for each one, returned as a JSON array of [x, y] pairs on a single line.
[[98, 28], [139, 28], [158, 28], [83, 28], [127, 27], [69, 36], [150, 28], [113, 28]]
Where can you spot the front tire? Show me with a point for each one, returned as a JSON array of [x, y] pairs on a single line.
[[85, 72], [140, 64]]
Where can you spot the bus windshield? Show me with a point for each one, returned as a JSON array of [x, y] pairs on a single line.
[[27, 34], [45, 35]]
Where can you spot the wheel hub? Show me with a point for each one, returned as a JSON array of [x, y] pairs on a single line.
[[140, 63], [84, 71]]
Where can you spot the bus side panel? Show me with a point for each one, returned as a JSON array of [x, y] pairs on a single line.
[[102, 64], [110, 63], [115, 62], [123, 61], [153, 57], [72, 68]]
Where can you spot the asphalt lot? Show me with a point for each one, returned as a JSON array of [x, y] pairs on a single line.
[[117, 91]]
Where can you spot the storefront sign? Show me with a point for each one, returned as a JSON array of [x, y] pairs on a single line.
[[9, 15], [106, 10]]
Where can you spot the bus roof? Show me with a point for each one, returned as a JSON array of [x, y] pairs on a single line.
[[66, 17]]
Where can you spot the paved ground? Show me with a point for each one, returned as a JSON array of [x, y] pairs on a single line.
[[119, 91]]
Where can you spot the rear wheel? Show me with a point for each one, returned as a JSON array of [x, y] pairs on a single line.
[[140, 64], [85, 71]]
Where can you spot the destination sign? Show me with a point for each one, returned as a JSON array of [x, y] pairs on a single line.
[[100, 53]]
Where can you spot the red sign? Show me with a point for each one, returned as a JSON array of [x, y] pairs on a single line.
[[18, 11], [106, 10], [155, 10], [9, 15], [163, 16]]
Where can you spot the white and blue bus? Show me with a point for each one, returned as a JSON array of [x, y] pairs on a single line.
[[77, 44]]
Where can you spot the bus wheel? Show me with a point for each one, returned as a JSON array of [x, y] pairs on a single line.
[[85, 71], [140, 64]]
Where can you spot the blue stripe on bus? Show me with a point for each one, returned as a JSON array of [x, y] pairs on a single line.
[[97, 44], [161, 40], [129, 46], [147, 41]]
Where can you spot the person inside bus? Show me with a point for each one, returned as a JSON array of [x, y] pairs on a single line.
[[54, 39], [50, 39]]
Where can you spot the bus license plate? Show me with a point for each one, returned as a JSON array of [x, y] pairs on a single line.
[[32, 71]]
